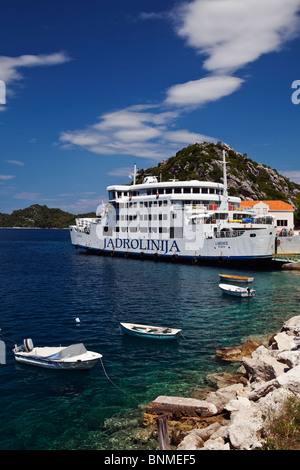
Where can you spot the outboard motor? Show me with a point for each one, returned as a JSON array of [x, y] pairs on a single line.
[[28, 345]]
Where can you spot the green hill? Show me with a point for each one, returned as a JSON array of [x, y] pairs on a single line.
[[201, 161], [246, 178], [39, 217]]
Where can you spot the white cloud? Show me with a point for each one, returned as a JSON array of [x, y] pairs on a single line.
[[15, 162], [233, 33], [202, 91], [125, 171], [229, 34], [186, 137], [82, 205], [292, 175], [132, 131], [27, 195], [6, 177], [10, 67]]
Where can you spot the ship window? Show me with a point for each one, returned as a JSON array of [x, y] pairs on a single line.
[[282, 223], [107, 231], [177, 190], [168, 190], [186, 190], [196, 190], [252, 234], [204, 191]]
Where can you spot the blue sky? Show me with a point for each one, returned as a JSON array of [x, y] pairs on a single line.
[[93, 87]]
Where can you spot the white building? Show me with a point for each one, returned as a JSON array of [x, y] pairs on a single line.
[[282, 211]]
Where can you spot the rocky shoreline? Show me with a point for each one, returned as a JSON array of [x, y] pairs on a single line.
[[235, 412]]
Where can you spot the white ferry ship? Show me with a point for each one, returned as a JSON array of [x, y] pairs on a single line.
[[183, 220]]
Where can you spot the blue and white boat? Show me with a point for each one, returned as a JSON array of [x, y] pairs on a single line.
[[73, 357], [150, 332]]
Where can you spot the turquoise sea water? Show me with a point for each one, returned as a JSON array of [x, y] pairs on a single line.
[[45, 284]]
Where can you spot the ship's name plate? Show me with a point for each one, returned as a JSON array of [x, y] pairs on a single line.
[[165, 246]]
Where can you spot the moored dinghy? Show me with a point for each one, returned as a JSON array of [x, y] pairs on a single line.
[[152, 332], [230, 277], [73, 357], [236, 290]]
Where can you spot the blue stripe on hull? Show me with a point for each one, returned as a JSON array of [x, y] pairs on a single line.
[[179, 257]]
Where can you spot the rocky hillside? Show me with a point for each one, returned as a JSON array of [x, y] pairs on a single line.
[[245, 177], [39, 217]]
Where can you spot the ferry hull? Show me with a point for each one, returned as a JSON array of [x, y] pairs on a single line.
[[208, 251]]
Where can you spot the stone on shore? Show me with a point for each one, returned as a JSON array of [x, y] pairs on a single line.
[[292, 266], [236, 353], [181, 406], [236, 416]]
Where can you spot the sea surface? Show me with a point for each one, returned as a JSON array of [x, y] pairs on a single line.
[[46, 284]]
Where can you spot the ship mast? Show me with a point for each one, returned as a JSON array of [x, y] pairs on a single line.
[[133, 175], [224, 202]]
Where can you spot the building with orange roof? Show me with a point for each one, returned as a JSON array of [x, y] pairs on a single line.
[[281, 211]]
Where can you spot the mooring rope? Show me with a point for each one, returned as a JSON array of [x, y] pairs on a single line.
[[131, 396], [6, 338]]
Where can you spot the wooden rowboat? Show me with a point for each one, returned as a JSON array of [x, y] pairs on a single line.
[[152, 332], [230, 277]]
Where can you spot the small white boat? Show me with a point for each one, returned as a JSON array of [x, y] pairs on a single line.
[[73, 357], [236, 290], [152, 332], [229, 277]]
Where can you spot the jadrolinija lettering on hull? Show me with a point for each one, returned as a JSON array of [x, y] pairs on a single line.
[[165, 246]]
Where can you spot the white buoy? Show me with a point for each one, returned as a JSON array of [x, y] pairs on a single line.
[[77, 320]]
